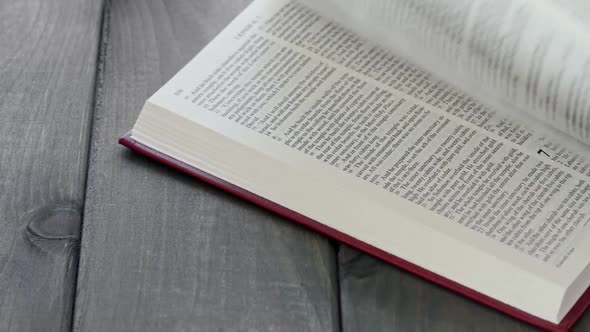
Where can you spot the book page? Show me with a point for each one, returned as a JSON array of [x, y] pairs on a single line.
[[532, 56], [578, 9], [296, 83], [320, 90]]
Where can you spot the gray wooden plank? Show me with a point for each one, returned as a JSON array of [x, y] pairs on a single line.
[[376, 296], [47, 65], [162, 251], [584, 324]]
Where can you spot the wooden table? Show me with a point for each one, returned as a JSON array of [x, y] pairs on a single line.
[[96, 238]]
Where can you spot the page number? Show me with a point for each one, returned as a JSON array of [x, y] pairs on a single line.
[[542, 152]]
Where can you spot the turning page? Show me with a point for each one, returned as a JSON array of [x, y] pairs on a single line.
[[525, 56]]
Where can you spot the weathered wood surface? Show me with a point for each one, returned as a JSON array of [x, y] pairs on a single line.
[[47, 65], [376, 296], [162, 251]]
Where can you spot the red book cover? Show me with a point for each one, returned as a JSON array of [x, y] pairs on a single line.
[[565, 325]]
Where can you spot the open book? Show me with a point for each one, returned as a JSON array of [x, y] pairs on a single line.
[[318, 112]]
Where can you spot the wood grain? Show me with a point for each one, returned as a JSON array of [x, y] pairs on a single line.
[[376, 296], [47, 64], [162, 251]]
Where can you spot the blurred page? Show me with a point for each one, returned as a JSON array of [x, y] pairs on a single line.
[[521, 57]]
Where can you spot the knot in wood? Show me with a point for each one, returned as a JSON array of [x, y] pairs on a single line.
[[58, 222]]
